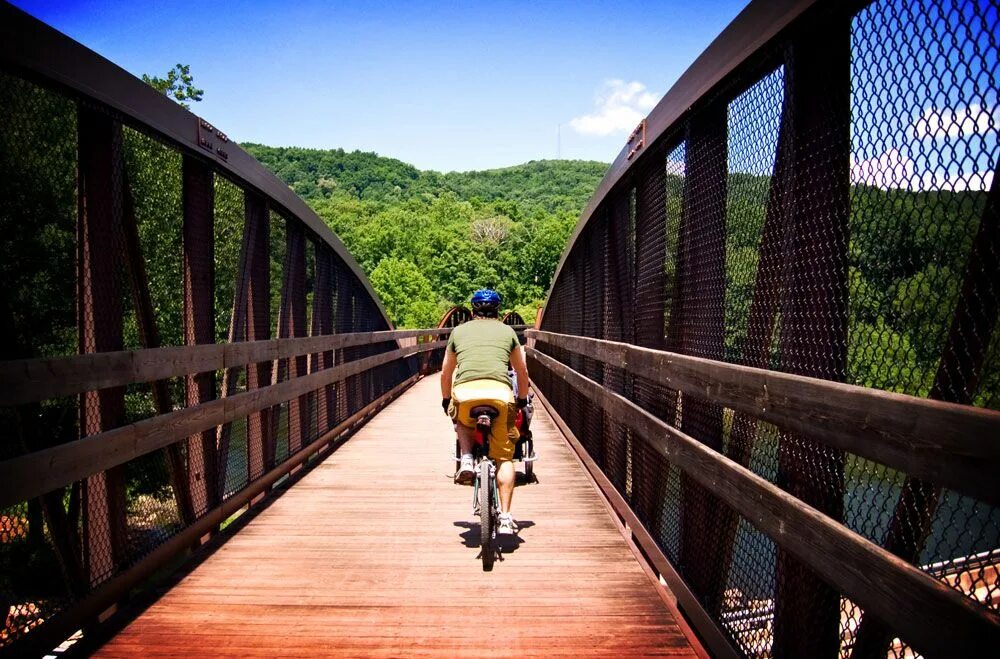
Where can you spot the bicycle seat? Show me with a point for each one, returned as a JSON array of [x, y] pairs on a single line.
[[487, 410]]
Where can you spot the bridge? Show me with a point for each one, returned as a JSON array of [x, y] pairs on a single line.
[[768, 375]]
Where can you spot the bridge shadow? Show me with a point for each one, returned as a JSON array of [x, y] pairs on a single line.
[[507, 543], [520, 478]]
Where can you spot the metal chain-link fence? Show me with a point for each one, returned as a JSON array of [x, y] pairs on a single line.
[[115, 239], [828, 210]]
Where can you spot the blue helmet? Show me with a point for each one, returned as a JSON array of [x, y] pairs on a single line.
[[485, 302]]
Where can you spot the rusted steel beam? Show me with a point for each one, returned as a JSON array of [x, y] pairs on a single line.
[[594, 260], [237, 333], [344, 322], [617, 322], [322, 324], [702, 281], [754, 30], [99, 303], [648, 469], [292, 323], [260, 428], [198, 195], [813, 338]]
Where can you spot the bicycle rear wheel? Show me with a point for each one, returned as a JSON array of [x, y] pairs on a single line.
[[486, 515], [529, 466]]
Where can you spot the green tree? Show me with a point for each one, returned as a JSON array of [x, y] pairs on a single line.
[[405, 292], [178, 85]]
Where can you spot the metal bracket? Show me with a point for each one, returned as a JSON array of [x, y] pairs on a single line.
[[636, 140], [211, 139]]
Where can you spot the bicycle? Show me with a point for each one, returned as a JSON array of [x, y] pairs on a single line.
[[485, 495]]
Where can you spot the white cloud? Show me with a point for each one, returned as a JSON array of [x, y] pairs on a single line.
[[955, 122], [893, 170], [675, 167], [619, 107]]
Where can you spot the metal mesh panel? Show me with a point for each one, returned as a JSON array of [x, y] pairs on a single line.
[[115, 240], [38, 149], [831, 212], [232, 272]]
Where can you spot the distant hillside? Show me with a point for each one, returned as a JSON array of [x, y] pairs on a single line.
[[427, 239], [550, 185]]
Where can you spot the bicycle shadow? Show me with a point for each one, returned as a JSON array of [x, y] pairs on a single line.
[[507, 543], [521, 478]]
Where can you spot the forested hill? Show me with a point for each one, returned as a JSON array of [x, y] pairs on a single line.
[[427, 239], [550, 185]]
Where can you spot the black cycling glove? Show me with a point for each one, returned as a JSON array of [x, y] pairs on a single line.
[[522, 403], [445, 402]]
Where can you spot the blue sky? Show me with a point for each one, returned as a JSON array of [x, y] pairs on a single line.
[[441, 85]]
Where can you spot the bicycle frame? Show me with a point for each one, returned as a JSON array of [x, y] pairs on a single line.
[[478, 458]]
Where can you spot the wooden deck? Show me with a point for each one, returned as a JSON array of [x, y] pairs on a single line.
[[375, 552]]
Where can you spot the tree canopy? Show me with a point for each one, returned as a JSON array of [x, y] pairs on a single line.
[[427, 240], [178, 85]]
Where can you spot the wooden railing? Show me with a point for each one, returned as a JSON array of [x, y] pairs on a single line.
[[929, 437], [38, 473]]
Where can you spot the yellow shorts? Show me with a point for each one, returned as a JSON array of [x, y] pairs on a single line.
[[504, 434]]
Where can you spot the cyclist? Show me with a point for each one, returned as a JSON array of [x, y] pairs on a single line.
[[475, 369]]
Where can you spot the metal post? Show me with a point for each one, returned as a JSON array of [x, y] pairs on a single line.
[[322, 324], [199, 323], [260, 435], [813, 338], [702, 287], [649, 470], [292, 323], [100, 330]]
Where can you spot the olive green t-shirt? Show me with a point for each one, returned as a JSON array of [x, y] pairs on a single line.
[[482, 348]]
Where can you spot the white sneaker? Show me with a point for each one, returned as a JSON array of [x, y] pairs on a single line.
[[465, 473], [506, 525]]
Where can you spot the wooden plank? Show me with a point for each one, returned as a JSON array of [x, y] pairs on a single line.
[[916, 605], [356, 560], [62, 625], [27, 380], [957, 446], [688, 602], [30, 475]]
